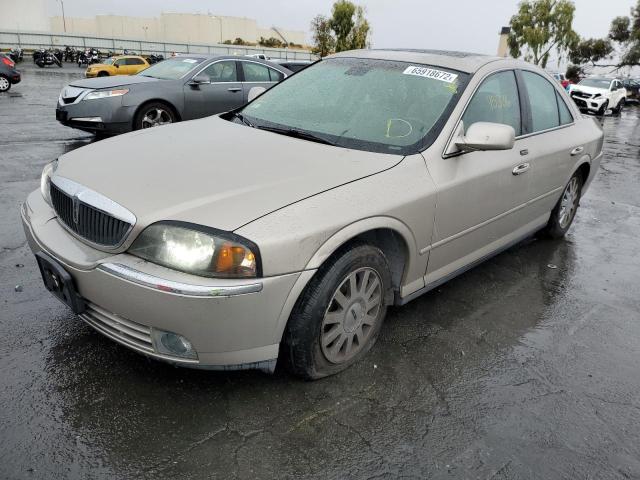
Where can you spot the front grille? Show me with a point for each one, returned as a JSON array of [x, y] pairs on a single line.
[[117, 328], [581, 95], [88, 222]]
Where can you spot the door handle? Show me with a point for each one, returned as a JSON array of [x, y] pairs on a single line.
[[577, 151], [520, 169], [234, 89]]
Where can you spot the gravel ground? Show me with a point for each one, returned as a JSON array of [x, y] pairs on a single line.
[[524, 367]]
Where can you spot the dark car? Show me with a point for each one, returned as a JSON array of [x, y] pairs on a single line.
[[633, 89], [8, 73], [294, 65], [180, 88]]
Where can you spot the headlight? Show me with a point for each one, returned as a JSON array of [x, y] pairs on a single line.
[[45, 180], [197, 250], [597, 95], [106, 94]]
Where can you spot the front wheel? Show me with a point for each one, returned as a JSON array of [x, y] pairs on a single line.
[[564, 212], [339, 315], [5, 84], [618, 109], [103, 74], [603, 109], [153, 115]]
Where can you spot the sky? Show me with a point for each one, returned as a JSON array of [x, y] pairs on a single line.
[[469, 25]]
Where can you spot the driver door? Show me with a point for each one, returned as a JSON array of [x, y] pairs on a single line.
[[222, 93], [481, 198]]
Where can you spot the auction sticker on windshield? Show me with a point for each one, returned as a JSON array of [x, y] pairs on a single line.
[[431, 73]]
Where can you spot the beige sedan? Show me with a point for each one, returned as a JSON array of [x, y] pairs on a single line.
[[284, 229]]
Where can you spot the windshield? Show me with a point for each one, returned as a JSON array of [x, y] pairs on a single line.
[[108, 61], [375, 105], [596, 82], [171, 69]]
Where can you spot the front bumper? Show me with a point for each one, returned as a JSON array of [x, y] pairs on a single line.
[[107, 115], [589, 104], [234, 326]]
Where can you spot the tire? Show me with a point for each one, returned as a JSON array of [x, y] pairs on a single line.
[[148, 113], [5, 84], [603, 109], [332, 326], [618, 109], [559, 224], [103, 74]]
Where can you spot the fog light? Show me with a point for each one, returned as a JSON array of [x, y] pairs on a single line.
[[169, 343]]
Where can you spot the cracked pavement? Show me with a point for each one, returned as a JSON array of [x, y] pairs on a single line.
[[514, 370]]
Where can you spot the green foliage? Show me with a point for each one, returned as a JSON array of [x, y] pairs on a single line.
[[541, 26], [271, 42], [624, 37], [574, 72], [323, 41], [591, 50], [346, 29]]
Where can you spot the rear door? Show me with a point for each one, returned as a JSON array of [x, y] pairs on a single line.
[[224, 91], [552, 143], [259, 75]]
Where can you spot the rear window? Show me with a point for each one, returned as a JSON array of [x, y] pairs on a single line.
[[172, 69]]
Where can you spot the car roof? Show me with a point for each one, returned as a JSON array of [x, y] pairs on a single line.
[[461, 61]]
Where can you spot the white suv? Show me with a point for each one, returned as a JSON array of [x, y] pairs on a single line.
[[597, 94]]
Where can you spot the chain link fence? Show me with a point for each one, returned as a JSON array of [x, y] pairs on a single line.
[[33, 41]]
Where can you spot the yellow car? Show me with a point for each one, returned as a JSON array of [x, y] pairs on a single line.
[[122, 65]]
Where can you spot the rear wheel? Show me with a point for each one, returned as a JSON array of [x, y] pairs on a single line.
[[5, 84], [153, 115], [339, 315], [564, 212]]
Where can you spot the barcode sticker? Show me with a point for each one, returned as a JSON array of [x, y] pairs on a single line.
[[431, 73]]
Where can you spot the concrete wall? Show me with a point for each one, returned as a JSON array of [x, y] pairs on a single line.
[[173, 27], [24, 15]]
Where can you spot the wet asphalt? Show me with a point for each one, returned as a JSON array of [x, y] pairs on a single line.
[[527, 366]]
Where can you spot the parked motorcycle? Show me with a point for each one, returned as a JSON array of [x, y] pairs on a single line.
[[70, 54], [45, 58], [16, 54], [153, 58], [89, 56]]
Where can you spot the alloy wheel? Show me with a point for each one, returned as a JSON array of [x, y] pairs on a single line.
[[568, 203], [351, 316], [156, 117], [4, 84]]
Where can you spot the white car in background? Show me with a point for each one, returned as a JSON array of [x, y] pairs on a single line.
[[598, 94]]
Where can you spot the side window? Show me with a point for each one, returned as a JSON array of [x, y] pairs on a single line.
[[275, 75], [135, 61], [255, 72], [120, 62], [565, 114], [496, 101], [542, 98], [224, 71]]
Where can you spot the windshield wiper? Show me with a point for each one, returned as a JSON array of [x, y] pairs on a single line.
[[240, 117], [292, 132]]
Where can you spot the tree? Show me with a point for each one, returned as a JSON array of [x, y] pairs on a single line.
[[323, 40], [574, 72], [622, 42], [342, 23], [346, 29], [541, 26], [271, 42]]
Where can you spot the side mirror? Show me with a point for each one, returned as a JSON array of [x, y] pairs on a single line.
[[200, 79], [255, 92], [487, 136], [117, 65]]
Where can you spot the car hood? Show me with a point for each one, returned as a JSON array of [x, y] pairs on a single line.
[[110, 82], [589, 90], [214, 172]]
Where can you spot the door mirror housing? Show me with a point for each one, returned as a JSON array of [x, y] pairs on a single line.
[[255, 92], [482, 136], [200, 79]]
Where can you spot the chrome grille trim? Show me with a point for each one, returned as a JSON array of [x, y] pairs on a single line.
[[120, 329], [88, 215]]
